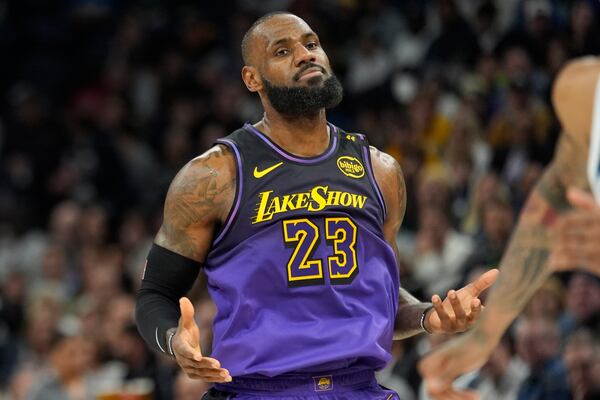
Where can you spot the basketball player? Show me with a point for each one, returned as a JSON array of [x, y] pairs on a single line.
[[543, 241], [294, 222]]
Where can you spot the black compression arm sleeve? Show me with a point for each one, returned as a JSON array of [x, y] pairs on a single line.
[[168, 276]]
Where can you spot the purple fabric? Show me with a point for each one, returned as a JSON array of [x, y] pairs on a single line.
[[263, 327], [336, 385], [303, 279], [370, 393]]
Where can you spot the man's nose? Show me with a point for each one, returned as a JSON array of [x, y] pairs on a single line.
[[302, 55]]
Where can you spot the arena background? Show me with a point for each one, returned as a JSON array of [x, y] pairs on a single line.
[[101, 103]]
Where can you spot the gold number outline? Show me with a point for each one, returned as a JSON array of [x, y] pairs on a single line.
[[334, 239], [297, 241]]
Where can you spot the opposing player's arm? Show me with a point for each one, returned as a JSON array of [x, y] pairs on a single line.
[[390, 179], [525, 264], [573, 96]]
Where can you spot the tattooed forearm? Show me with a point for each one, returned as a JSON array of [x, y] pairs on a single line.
[[199, 199], [524, 267], [552, 190]]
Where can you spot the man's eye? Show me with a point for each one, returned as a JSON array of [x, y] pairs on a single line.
[[281, 52], [311, 46]]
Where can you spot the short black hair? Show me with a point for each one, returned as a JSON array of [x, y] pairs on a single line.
[[248, 34]]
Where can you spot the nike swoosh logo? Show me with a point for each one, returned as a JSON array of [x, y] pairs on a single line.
[[260, 174]]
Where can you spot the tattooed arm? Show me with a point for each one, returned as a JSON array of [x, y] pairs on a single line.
[[197, 203], [524, 268], [461, 308], [525, 264]]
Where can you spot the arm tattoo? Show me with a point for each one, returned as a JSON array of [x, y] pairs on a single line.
[[199, 198], [524, 267], [394, 194]]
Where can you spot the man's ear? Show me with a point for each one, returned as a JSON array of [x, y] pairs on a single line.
[[251, 78]]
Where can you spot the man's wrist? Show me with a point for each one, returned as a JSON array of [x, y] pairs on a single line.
[[424, 322], [169, 339]]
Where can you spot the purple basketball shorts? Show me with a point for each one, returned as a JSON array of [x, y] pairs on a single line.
[[338, 385]]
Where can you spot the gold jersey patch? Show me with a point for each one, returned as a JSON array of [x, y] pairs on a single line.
[[323, 383], [351, 167]]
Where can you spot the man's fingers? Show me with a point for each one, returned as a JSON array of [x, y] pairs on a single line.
[[455, 394], [445, 391], [483, 282], [199, 362], [213, 378], [211, 362], [580, 199], [208, 371], [475, 310], [438, 306], [459, 312], [187, 313], [437, 386]]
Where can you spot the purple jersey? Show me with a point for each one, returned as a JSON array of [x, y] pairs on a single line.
[[300, 272]]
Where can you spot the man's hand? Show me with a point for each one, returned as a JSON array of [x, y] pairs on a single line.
[[186, 347], [460, 309], [578, 235], [458, 356]]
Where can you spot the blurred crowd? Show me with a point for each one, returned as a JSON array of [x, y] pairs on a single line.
[[102, 101]]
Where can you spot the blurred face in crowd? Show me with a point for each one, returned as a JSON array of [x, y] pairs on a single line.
[[499, 361], [434, 222], [72, 357], [537, 341], [94, 225], [289, 69], [64, 221], [54, 263], [583, 297], [433, 192], [118, 315], [582, 17], [498, 220], [548, 301], [580, 357]]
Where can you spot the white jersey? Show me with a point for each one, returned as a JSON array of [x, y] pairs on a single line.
[[593, 168]]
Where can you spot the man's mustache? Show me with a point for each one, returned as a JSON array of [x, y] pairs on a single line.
[[308, 66]]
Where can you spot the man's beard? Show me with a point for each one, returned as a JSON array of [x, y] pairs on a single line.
[[301, 101]]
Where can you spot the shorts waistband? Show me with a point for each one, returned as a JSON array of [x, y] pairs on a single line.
[[326, 382]]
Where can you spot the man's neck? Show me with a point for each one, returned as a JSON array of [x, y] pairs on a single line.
[[305, 136]]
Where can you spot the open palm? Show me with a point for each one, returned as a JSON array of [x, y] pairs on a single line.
[[461, 308]]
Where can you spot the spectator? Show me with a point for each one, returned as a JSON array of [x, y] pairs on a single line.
[[537, 342], [440, 252], [503, 374], [581, 357]]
